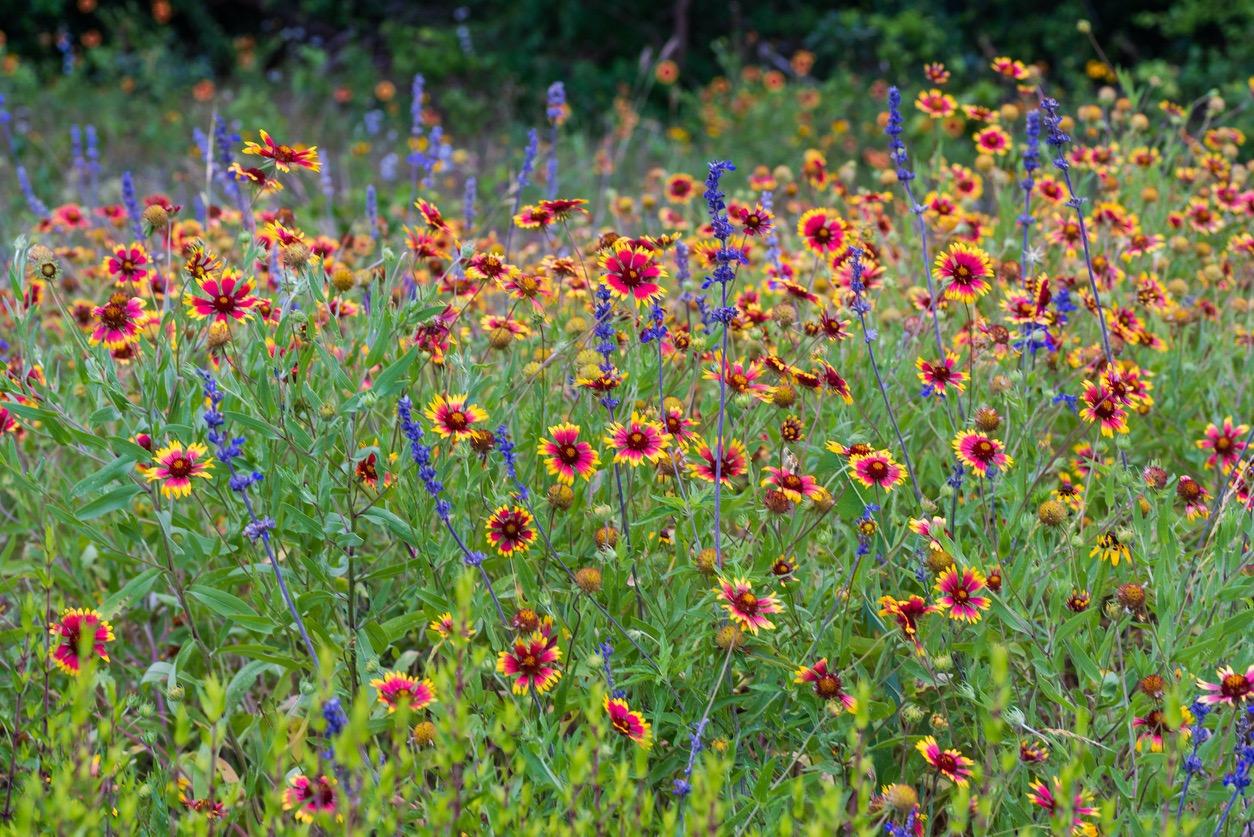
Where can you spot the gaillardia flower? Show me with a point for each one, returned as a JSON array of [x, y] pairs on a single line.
[[822, 231], [966, 270], [451, 417], [1111, 549], [735, 462], [128, 264], [632, 273], [1041, 794], [224, 300], [1225, 443], [175, 465], [794, 486], [397, 688], [746, 608], [1232, 688], [307, 799], [118, 321], [509, 530], [960, 594], [951, 764], [565, 457], [939, 377], [827, 684], [78, 628], [637, 441], [284, 156], [907, 613], [980, 452], [627, 722], [876, 469], [1155, 728], [532, 663]]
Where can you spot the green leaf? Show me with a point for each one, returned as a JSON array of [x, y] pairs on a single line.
[[117, 468], [112, 501], [388, 379], [132, 590], [243, 681], [232, 607]]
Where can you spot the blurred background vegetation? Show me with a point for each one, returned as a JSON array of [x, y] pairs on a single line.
[[505, 52]]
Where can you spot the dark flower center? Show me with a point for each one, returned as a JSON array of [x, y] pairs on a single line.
[[114, 315], [828, 686], [1234, 686], [180, 466], [457, 420]]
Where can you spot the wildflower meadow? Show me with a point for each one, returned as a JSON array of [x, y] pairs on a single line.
[[777, 451]]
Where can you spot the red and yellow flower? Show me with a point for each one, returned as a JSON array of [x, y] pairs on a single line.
[[451, 417], [992, 140], [1041, 795], [794, 486], [822, 231], [128, 264], [284, 157], [223, 299], [733, 463], [876, 469], [960, 594], [509, 530], [980, 452], [745, 608], [636, 441], [907, 613], [308, 800], [966, 271], [175, 465], [397, 689], [938, 377], [1102, 408], [1225, 443], [1233, 689], [632, 273], [827, 684], [627, 722], [951, 764], [118, 322], [532, 663], [565, 457], [1155, 728], [76, 630], [936, 104]]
